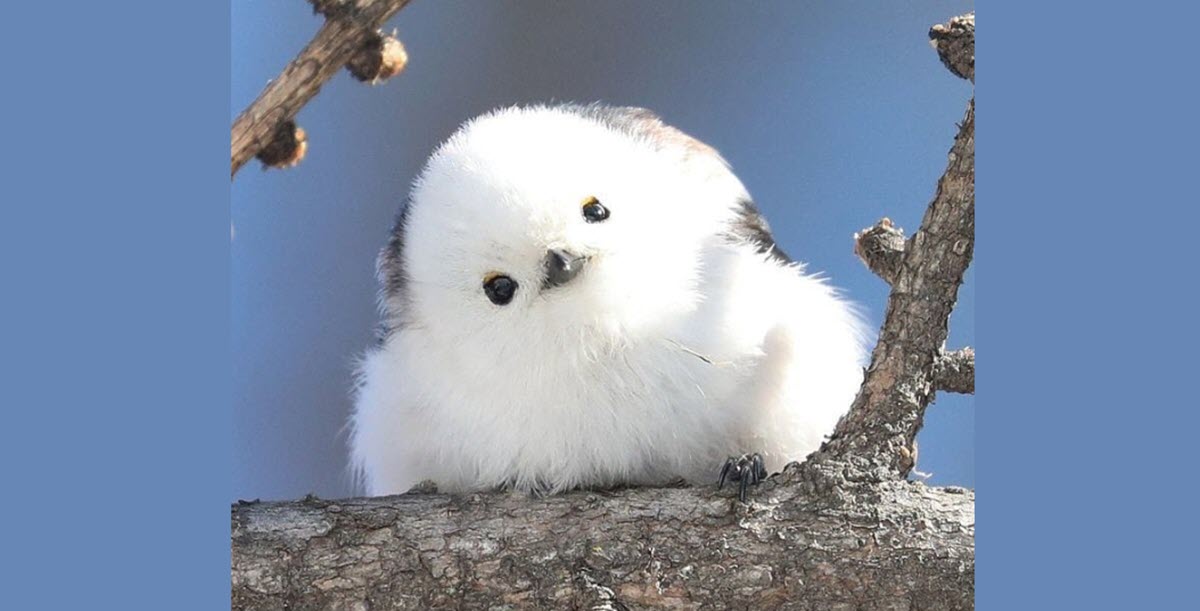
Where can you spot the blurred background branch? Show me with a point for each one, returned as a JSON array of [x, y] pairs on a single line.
[[349, 37]]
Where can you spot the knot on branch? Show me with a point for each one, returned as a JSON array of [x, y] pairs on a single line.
[[881, 248], [287, 147], [379, 58], [955, 44], [955, 371]]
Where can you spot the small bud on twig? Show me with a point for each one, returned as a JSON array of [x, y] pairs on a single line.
[[287, 147], [379, 59]]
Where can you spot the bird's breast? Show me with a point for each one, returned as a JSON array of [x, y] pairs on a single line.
[[631, 411]]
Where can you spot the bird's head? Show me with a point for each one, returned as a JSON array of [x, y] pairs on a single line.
[[550, 223]]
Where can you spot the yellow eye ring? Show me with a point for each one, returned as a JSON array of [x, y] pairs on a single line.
[[499, 288], [594, 211]]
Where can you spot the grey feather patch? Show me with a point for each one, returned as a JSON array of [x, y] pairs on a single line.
[[749, 226], [392, 275], [644, 124], [389, 267]]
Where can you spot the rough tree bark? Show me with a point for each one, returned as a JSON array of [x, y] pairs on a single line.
[[843, 530]]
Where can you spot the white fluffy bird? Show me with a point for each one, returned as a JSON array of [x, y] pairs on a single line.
[[583, 296]]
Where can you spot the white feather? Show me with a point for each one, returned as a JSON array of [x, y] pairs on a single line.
[[674, 349]]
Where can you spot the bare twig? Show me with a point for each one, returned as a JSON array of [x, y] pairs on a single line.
[[351, 28], [955, 371]]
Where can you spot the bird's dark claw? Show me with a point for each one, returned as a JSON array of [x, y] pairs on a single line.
[[747, 470]]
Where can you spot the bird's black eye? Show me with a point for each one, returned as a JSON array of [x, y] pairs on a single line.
[[594, 211], [499, 289]]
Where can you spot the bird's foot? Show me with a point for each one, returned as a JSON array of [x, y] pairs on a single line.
[[747, 470]]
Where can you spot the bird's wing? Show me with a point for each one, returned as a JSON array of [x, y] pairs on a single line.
[[393, 278], [749, 226]]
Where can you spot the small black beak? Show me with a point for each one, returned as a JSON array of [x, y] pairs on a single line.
[[561, 266]]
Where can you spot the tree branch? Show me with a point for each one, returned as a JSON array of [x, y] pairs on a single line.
[[874, 441], [350, 32], [955, 371], [635, 548], [841, 530]]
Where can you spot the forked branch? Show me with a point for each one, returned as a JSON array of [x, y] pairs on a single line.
[[874, 441]]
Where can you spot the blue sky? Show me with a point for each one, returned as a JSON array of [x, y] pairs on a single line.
[[832, 114]]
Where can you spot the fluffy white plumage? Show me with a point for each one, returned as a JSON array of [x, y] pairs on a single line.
[[684, 340]]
